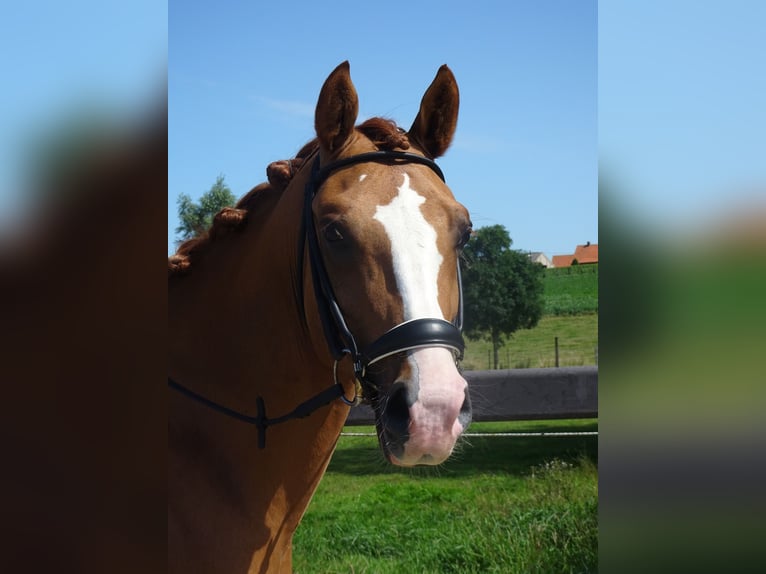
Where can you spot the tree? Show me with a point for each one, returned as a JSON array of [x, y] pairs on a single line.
[[197, 217], [502, 288]]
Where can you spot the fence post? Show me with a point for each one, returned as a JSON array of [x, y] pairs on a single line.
[[556, 345]]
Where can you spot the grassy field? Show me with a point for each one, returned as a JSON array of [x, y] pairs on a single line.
[[501, 504], [570, 313], [571, 290], [531, 348]]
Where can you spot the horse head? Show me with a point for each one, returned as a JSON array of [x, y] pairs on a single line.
[[389, 232]]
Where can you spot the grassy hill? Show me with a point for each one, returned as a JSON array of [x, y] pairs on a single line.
[[534, 348], [571, 290], [570, 313]]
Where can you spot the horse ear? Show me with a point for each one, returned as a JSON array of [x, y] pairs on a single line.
[[436, 121], [336, 109]]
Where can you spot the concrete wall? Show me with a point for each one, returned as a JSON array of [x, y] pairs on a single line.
[[523, 394]]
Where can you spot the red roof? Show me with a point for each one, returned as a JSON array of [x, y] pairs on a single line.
[[584, 254], [562, 260]]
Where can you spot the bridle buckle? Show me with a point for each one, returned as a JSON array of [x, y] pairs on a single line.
[[358, 373]]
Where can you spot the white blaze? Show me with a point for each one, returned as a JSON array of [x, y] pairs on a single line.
[[435, 388], [416, 258]]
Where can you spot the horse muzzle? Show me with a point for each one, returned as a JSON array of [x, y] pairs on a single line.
[[420, 418]]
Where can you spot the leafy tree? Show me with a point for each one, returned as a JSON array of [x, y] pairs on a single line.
[[502, 288], [197, 217]]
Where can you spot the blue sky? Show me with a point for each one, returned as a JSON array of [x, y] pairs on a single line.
[[681, 107], [60, 58], [667, 97], [244, 78]]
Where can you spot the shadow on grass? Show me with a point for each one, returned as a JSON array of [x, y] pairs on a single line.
[[360, 456]]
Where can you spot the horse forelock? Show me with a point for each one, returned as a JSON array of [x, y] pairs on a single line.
[[384, 134]]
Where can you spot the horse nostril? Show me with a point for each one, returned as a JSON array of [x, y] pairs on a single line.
[[397, 413], [465, 416]]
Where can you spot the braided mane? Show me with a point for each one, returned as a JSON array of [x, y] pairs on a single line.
[[384, 133]]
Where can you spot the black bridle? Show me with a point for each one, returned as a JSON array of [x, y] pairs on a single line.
[[414, 334], [407, 336]]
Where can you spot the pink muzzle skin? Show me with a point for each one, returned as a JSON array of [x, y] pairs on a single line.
[[426, 413]]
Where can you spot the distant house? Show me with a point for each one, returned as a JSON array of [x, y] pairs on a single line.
[[541, 258], [562, 260], [584, 255], [587, 253]]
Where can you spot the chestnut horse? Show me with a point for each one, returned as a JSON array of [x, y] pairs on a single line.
[[344, 283]]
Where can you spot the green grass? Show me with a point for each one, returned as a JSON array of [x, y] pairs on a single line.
[[533, 348], [499, 505], [571, 290]]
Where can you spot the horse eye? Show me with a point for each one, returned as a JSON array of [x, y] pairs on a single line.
[[332, 233]]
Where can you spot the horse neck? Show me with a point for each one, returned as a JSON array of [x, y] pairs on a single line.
[[242, 326], [242, 310]]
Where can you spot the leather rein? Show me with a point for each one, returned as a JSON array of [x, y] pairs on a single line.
[[407, 336]]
